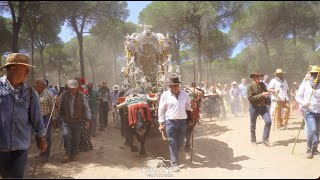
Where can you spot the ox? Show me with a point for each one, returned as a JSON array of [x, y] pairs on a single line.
[[136, 117]]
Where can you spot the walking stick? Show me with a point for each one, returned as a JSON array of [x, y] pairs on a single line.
[[274, 112], [304, 115], [194, 90], [36, 163]]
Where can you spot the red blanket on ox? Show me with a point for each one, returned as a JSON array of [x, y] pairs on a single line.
[[133, 110]]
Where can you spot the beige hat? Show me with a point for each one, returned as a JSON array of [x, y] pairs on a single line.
[[315, 69], [17, 58], [279, 71], [234, 83], [72, 83], [115, 88], [104, 84]]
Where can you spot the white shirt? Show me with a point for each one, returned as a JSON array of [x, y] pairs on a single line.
[[283, 88], [172, 108], [303, 96]]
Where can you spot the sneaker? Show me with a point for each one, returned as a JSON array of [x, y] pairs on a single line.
[[175, 168], [267, 143], [309, 155], [254, 143]]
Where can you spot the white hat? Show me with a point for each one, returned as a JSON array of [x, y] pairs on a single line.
[[72, 83], [115, 87], [234, 82]]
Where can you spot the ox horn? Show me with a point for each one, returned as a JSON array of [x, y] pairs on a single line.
[[119, 106], [152, 99]]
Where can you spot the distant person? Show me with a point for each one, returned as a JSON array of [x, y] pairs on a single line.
[[105, 105], [258, 97], [243, 95], [19, 112], [279, 87]]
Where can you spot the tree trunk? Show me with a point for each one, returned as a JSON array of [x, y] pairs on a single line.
[[114, 64], [80, 41], [92, 71], [59, 73], [32, 57], [294, 36], [15, 37], [210, 72], [199, 60], [42, 64], [266, 46]]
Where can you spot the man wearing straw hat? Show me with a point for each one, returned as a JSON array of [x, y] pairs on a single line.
[[172, 116], [235, 99], [19, 112], [279, 88], [258, 97], [114, 98], [308, 96], [105, 105]]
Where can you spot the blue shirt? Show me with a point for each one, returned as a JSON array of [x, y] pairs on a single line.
[[54, 92], [15, 126], [243, 90]]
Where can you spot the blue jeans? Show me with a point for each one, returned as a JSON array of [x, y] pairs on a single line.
[[255, 111], [46, 154], [312, 127], [176, 131], [71, 135], [13, 164]]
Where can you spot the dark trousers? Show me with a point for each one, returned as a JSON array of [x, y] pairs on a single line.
[[93, 125], [103, 114], [13, 164], [46, 154], [255, 111], [71, 135], [176, 131]]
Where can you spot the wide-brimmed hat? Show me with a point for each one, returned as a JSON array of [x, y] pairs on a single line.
[[115, 88], [257, 73], [315, 69], [234, 83], [17, 58], [279, 71], [104, 84], [72, 83], [174, 80]]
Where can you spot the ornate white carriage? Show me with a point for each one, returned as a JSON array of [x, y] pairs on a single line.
[[148, 58]]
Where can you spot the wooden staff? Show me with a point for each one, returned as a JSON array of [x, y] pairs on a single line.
[[194, 91], [304, 115]]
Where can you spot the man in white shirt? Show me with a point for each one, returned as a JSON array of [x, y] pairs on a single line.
[[172, 116], [243, 96], [308, 96], [279, 88]]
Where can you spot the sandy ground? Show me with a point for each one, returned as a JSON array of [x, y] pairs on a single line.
[[222, 149]]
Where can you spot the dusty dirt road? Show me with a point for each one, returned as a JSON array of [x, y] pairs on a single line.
[[222, 149]]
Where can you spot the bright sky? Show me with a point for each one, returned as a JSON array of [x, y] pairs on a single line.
[[135, 8]]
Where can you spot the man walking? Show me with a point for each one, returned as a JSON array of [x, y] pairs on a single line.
[[279, 88], [19, 112], [114, 97], [104, 107], [243, 95], [172, 116], [235, 99], [93, 97], [46, 100], [308, 96], [257, 95], [73, 109]]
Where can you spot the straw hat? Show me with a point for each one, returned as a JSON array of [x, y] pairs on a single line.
[[174, 80], [17, 58], [257, 73], [315, 69], [104, 84], [234, 83], [279, 71], [115, 88]]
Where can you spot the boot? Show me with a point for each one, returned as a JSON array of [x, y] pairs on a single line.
[[309, 154], [66, 159], [315, 151]]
